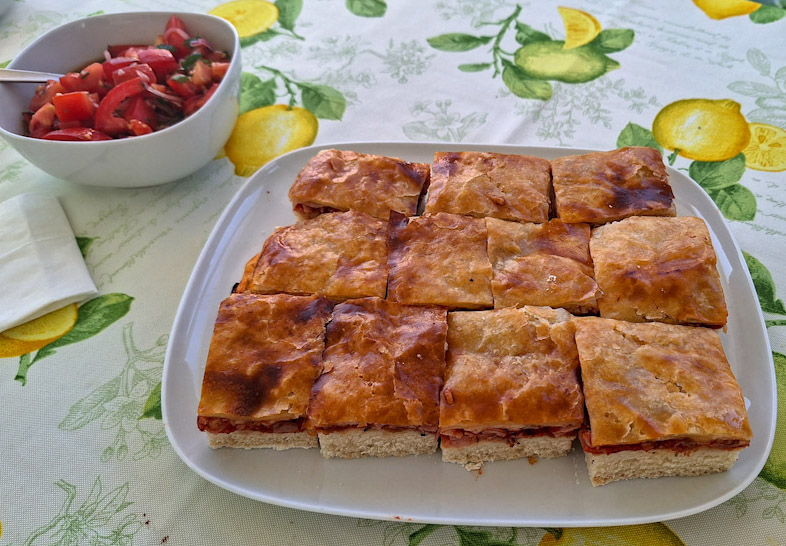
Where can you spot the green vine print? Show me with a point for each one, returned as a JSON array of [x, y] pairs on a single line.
[[128, 405], [441, 123], [94, 522], [539, 58]]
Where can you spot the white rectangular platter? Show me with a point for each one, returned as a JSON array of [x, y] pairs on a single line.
[[549, 493]]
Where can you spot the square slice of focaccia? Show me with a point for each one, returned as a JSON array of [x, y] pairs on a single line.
[[658, 269], [602, 187], [541, 264], [511, 187], [338, 255], [378, 395], [511, 386], [264, 356], [337, 180], [441, 260], [661, 399]]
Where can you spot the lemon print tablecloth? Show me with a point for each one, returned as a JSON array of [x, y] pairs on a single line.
[[84, 455]]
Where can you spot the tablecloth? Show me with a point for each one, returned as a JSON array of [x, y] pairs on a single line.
[[84, 456]]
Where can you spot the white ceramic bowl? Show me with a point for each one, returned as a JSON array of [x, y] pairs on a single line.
[[148, 160]]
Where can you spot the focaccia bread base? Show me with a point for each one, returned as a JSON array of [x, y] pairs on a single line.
[[357, 443], [472, 457], [657, 463], [251, 439]]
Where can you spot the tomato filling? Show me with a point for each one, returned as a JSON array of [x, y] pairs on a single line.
[[680, 445], [221, 425], [463, 438], [135, 90]]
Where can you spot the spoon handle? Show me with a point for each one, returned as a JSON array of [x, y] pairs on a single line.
[[13, 75]]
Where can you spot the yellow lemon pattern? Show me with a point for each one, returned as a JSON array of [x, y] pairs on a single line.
[[702, 129], [721, 9], [651, 534], [580, 27], [539, 58], [266, 133], [249, 17], [766, 149], [33, 335]]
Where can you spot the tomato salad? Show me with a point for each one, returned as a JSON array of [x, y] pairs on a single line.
[[138, 89]]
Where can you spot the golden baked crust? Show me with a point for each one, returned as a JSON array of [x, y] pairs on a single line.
[[652, 382], [344, 180], [265, 354], [606, 186], [511, 368], [541, 264], [439, 260], [248, 274], [339, 255], [384, 364], [658, 269], [512, 187]]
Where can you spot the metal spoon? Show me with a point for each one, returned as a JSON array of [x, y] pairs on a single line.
[[13, 75]]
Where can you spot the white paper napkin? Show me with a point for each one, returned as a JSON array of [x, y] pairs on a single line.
[[41, 268]]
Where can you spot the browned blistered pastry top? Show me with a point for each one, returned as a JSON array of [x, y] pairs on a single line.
[[541, 264], [650, 382], [605, 186], [512, 187], [264, 356], [384, 364], [439, 260], [374, 184], [511, 368], [658, 269], [339, 255]]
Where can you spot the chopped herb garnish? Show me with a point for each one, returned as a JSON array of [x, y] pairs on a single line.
[[189, 61], [168, 47], [179, 78]]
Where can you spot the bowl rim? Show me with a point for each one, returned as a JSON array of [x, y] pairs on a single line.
[[234, 60]]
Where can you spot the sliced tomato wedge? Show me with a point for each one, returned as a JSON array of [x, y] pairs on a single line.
[[129, 72], [218, 71], [117, 63], [44, 93], [118, 50], [178, 38], [161, 61], [139, 128], [139, 109], [201, 75], [89, 79], [182, 86], [42, 121], [195, 103], [74, 106], [175, 22], [106, 117], [76, 133]]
